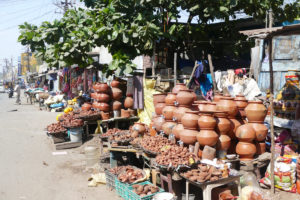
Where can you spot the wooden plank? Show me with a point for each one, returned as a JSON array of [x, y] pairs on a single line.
[[122, 150], [67, 145], [211, 69]]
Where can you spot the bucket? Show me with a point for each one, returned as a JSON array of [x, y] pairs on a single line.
[[91, 156], [75, 134]]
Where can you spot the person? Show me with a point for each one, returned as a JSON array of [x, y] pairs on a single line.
[[18, 91]]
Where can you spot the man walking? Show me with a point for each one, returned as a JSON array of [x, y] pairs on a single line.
[[18, 91]]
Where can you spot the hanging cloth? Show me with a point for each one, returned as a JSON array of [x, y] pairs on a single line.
[[138, 93]]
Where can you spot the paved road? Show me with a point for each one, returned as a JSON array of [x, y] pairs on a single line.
[[28, 170]]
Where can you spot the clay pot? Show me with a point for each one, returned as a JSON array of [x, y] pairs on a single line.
[[168, 112], [116, 93], [194, 95], [158, 122], [128, 102], [102, 97], [190, 120], [245, 150], [188, 136], [179, 112], [185, 97], [178, 87], [260, 147], [241, 101], [93, 95], [168, 126], [177, 130], [101, 87], [115, 83], [152, 130], [132, 112], [217, 96], [139, 127], [86, 106], [207, 137], [125, 113], [201, 105], [223, 123], [211, 106], [228, 105], [105, 115], [206, 121], [101, 106], [116, 105], [159, 98], [159, 108], [170, 98], [224, 142], [235, 123], [245, 133], [255, 111], [261, 131]]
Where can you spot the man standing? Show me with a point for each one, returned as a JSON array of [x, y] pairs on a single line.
[[18, 91]]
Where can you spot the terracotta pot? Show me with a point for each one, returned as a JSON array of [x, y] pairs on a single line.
[[224, 142], [228, 105], [116, 105], [245, 133], [101, 87], [139, 127], [256, 111], [178, 87], [125, 113], [158, 122], [102, 97], [217, 96], [185, 97], [179, 112], [194, 95], [101, 106], [159, 108], [261, 131], [86, 106], [207, 121], [207, 137], [116, 93], [128, 102], [170, 98], [115, 84], [105, 115], [245, 150], [188, 136], [235, 123], [223, 123], [152, 130], [168, 112], [260, 147], [211, 106], [93, 95], [168, 126], [190, 120], [159, 98], [241, 101], [177, 130], [201, 105]]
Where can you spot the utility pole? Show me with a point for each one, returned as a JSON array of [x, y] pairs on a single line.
[[28, 60], [64, 5]]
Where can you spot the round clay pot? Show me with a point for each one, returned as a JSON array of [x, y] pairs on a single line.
[[101, 87], [179, 112], [152, 130], [256, 111], [86, 106], [102, 97], [261, 131], [223, 123], [116, 93], [159, 98], [188, 136], [177, 130], [93, 95], [185, 97], [159, 108], [125, 113], [235, 123], [194, 95], [211, 106], [245, 133], [105, 115], [178, 87], [245, 150], [170, 98], [158, 122], [201, 105], [217, 96], [168, 126], [207, 137], [139, 127], [206, 121], [224, 142], [104, 107], [241, 101], [116, 105], [260, 147], [228, 105], [128, 102], [190, 120], [168, 112], [115, 83]]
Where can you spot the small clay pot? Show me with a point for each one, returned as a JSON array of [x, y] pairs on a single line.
[[139, 127], [105, 115], [158, 122], [260, 147], [190, 120], [125, 113], [177, 130], [159, 98], [245, 150], [228, 105], [223, 123], [224, 142], [128, 102], [116, 94], [207, 137], [256, 111], [170, 98], [168, 126], [179, 112], [116, 105], [245, 133], [115, 84], [185, 97], [159, 108], [201, 105], [168, 112], [86, 106], [101, 87], [102, 97], [211, 106], [188, 136], [206, 121], [152, 131], [178, 87], [217, 96], [241, 101], [261, 131], [101, 106], [93, 95]]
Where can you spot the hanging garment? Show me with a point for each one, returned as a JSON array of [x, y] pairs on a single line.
[[138, 94], [230, 76], [218, 77], [206, 86]]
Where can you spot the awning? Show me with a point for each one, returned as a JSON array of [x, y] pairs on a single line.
[[43, 68]]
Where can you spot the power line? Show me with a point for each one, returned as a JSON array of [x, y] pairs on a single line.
[[64, 5]]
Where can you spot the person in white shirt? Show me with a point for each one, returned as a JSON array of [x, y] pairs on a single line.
[[18, 91]]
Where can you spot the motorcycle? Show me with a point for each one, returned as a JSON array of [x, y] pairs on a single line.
[[10, 92]]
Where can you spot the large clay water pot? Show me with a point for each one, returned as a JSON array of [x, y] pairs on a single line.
[[139, 127], [170, 98], [167, 112], [228, 105], [188, 136], [116, 94], [245, 150], [185, 97], [158, 122], [116, 105], [177, 130], [207, 121], [115, 83], [224, 142], [235, 123], [179, 112], [211, 106], [128, 102], [159, 108], [207, 137], [168, 126], [101, 87], [178, 87], [245, 133], [102, 97], [261, 131], [159, 98], [190, 120], [201, 105], [86, 106], [223, 124], [256, 111], [217, 96]]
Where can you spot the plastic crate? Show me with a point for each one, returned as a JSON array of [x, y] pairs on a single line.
[[122, 189], [110, 180], [133, 196]]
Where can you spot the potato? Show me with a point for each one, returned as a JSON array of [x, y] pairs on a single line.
[[140, 188]]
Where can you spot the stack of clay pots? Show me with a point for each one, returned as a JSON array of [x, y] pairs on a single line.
[[207, 124], [159, 104], [167, 113], [102, 97]]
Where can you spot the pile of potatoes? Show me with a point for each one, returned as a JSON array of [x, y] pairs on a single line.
[[121, 137], [154, 143], [145, 190], [56, 128], [130, 175]]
